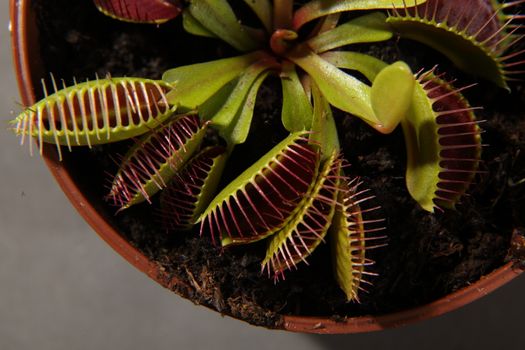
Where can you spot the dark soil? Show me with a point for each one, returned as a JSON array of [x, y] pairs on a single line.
[[427, 257]]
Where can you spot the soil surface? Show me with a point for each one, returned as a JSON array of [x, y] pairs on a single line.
[[428, 255]]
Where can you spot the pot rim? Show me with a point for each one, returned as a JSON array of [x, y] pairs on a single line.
[[28, 70]]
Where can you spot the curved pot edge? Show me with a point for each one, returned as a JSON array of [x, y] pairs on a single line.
[[23, 33], [451, 302], [26, 66]]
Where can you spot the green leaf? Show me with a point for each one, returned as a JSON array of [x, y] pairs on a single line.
[[297, 110], [391, 92], [192, 26], [96, 112], [320, 8], [365, 29], [367, 65], [326, 23], [209, 185], [238, 130], [213, 105], [392, 95], [324, 130], [263, 9], [225, 116], [340, 89], [462, 48], [218, 17], [194, 84], [421, 137]]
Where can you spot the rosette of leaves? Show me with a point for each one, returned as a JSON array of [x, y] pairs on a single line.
[[300, 192]]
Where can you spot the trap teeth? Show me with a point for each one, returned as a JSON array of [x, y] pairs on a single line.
[[443, 144], [140, 11], [309, 226], [477, 35], [95, 112], [155, 160], [190, 191], [261, 200]]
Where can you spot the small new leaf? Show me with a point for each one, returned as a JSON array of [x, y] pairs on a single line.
[[297, 110], [192, 26], [234, 103], [218, 17], [237, 131], [391, 95], [365, 29], [367, 65], [340, 89]]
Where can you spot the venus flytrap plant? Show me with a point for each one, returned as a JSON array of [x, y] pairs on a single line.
[[298, 194]]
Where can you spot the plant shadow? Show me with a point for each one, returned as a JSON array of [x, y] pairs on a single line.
[[495, 321]]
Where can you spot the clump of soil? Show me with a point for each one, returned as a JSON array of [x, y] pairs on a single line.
[[428, 256]]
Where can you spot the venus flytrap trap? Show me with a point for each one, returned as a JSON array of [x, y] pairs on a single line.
[[443, 125], [300, 193], [474, 34], [189, 193], [144, 11], [96, 112], [155, 159]]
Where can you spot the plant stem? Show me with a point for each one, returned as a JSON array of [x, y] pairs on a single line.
[[280, 40], [282, 14]]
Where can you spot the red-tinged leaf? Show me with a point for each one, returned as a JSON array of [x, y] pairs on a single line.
[[140, 11], [263, 198], [190, 191], [308, 227], [95, 112], [351, 235], [477, 35], [156, 158], [443, 144]]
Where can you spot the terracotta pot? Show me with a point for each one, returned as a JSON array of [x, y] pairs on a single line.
[[26, 53]]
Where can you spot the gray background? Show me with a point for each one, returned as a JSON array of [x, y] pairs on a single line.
[[61, 287]]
